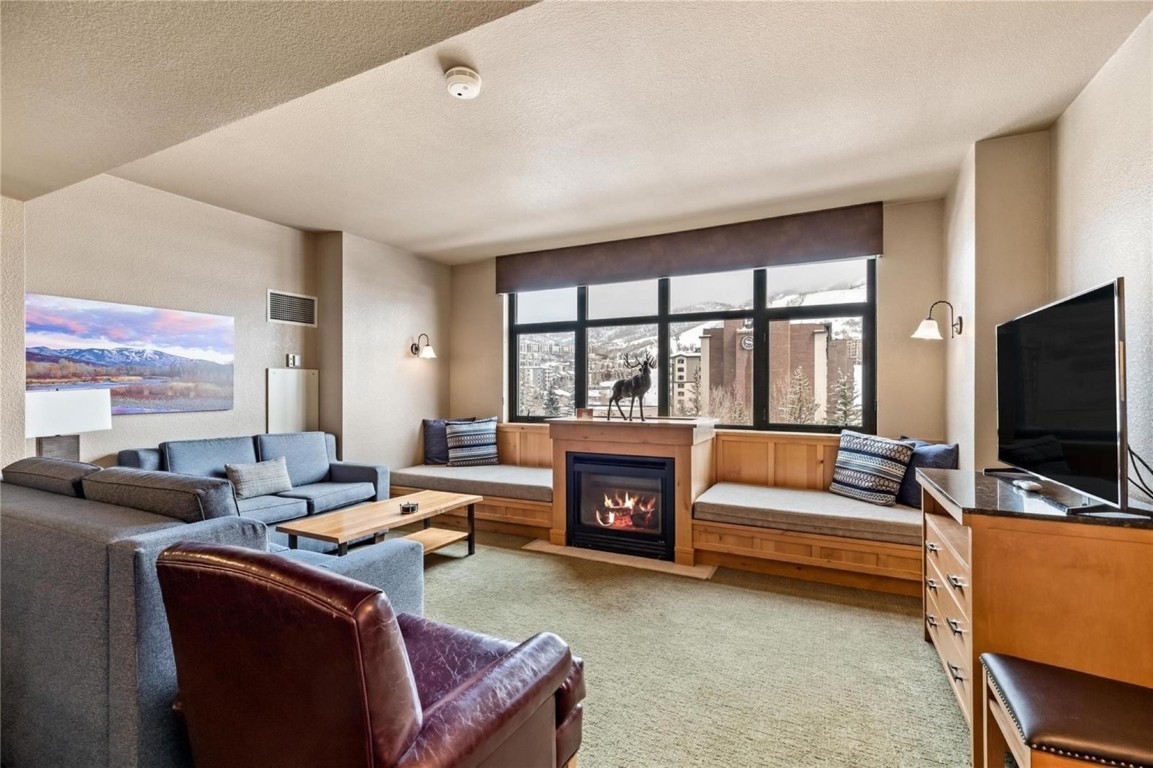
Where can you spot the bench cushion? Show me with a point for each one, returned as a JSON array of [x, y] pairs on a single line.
[[504, 480], [807, 511]]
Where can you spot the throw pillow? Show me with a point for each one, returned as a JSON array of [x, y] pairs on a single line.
[[472, 443], [263, 478], [870, 468], [927, 455], [436, 439]]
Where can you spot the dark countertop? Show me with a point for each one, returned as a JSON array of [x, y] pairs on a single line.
[[979, 494]]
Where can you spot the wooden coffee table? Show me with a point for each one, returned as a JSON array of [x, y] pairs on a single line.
[[377, 517]]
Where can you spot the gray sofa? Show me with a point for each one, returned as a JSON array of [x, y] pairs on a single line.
[[87, 675], [320, 483]]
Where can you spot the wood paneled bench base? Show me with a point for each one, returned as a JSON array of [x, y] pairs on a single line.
[[515, 516], [876, 565]]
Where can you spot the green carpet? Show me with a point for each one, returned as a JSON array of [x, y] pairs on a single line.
[[743, 670]]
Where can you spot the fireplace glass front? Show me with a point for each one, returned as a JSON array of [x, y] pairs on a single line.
[[621, 504]]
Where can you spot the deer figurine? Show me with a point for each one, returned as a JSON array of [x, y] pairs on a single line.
[[633, 387]]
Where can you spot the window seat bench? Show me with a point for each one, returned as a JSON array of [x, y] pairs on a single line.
[[514, 497], [809, 533]]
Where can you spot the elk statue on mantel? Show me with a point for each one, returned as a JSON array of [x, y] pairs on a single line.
[[634, 387]]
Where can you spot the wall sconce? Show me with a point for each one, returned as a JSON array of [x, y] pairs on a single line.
[[928, 329], [423, 351]]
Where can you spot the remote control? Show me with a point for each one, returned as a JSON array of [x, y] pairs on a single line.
[[1027, 485]]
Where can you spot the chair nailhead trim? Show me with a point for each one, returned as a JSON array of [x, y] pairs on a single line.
[[1052, 750]]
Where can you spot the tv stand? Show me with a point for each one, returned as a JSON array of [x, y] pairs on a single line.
[[1009, 573]]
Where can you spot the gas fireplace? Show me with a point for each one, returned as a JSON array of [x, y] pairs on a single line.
[[621, 504]]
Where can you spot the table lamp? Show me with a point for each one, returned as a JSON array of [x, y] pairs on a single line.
[[55, 417]]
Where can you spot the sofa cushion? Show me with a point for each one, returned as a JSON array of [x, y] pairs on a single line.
[[207, 457], [503, 480], [807, 511], [436, 439], [870, 468], [472, 444], [260, 479], [926, 455], [305, 452], [322, 497], [180, 497], [272, 509], [51, 475]]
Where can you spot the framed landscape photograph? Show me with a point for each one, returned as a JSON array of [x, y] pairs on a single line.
[[154, 360]]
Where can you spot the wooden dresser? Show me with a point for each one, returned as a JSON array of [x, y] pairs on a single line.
[[1008, 571]]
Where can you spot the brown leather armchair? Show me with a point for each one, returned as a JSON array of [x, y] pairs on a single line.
[[280, 664]]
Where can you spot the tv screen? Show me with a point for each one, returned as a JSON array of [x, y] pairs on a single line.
[[1060, 393]]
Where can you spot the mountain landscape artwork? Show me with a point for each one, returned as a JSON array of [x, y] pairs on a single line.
[[154, 360]]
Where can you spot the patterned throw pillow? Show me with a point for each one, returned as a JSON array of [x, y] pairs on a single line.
[[261, 479], [436, 439], [472, 444], [870, 468]]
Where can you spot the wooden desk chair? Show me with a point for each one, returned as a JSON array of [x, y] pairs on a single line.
[[1050, 717]]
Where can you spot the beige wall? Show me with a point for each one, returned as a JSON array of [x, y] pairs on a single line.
[[1012, 266], [1102, 165], [910, 277], [12, 444], [389, 296], [996, 266], [112, 240], [960, 289], [478, 363]]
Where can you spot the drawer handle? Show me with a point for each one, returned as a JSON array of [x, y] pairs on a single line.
[[932, 547], [955, 673], [957, 581], [931, 620], [954, 626], [931, 584]]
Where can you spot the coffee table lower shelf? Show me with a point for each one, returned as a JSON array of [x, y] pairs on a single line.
[[433, 539]]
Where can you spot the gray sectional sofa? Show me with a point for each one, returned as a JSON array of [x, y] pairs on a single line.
[[320, 483], [87, 675]]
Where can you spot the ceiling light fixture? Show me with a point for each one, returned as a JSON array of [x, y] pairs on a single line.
[[462, 82]]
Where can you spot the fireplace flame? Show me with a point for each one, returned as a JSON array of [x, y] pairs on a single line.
[[626, 510]]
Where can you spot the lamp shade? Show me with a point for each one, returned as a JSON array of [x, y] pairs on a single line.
[[928, 329], [427, 352], [66, 411]]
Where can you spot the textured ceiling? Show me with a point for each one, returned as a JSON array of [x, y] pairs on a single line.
[[88, 86]]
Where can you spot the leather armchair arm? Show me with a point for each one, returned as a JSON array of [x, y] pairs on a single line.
[[348, 472], [470, 722]]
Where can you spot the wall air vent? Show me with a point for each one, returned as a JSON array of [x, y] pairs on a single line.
[[291, 308]]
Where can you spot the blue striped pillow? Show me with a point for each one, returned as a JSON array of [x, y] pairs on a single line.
[[472, 444], [870, 468]]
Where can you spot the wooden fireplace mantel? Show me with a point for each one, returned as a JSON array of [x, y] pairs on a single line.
[[689, 442]]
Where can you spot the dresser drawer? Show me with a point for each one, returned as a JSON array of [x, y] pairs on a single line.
[[952, 615], [946, 549], [955, 660]]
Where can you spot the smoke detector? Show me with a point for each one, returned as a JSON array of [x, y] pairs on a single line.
[[462, 82]]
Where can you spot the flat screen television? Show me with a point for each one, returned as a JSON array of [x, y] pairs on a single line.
[[1061, 393]]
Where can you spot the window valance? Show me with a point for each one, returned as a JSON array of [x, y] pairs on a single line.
[[830, 235]]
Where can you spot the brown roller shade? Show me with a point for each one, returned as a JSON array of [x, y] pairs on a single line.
[[829, 235]]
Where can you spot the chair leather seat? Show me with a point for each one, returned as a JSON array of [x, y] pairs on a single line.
[[1074, 714]]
